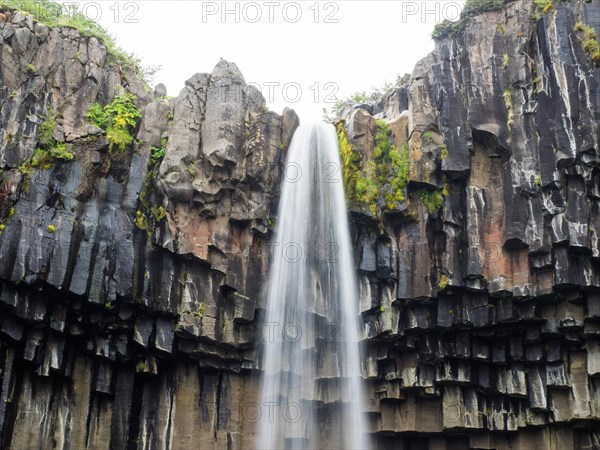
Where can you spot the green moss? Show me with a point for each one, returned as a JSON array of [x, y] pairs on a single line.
[[49, 150], [349, 161], [40, 158], [46, 137], [507, 95], [442, 283], [148, 189], [150, 212], [432, 200], [59, 151], [401, 168], [31, 69], [26, 169], [200, 311], [140, 366], [537, 181], [444, 154], [141, 221], [159, 213], [387, 172], [367, 190], [588, 38], [376, 184], [192, 169], [427, 137], [542, 7], [47, 142], [505, 61]]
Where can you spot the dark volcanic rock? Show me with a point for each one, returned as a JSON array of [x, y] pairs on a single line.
[[481, 319]]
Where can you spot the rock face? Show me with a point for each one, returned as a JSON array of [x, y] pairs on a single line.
[[131, 290]]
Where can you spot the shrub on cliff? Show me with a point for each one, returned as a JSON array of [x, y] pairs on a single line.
[[118, 118]]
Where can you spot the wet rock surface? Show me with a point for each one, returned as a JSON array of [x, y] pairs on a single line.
[[481, 318]]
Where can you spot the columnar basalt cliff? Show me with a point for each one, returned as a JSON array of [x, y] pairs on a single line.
[[132, 283]]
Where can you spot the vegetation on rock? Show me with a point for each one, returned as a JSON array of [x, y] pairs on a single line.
[[149, 215], [191, 168], [118, 118], [330, 115], [53, 14], [141, 221], [349, 161], [427, 137], [444, 154], [542, 7], [508, 103], [471, 9], [49, 150], [158, 153], [443, 282], [589, 41], [379, 182], [432, 200], [55, 150]]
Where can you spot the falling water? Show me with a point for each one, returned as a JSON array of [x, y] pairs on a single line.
[[312, 387]]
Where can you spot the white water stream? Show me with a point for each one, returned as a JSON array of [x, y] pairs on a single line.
[[312, 386]]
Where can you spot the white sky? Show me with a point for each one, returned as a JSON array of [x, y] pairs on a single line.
[[372, 42]]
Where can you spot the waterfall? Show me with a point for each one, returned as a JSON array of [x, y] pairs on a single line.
[[311, 394]]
